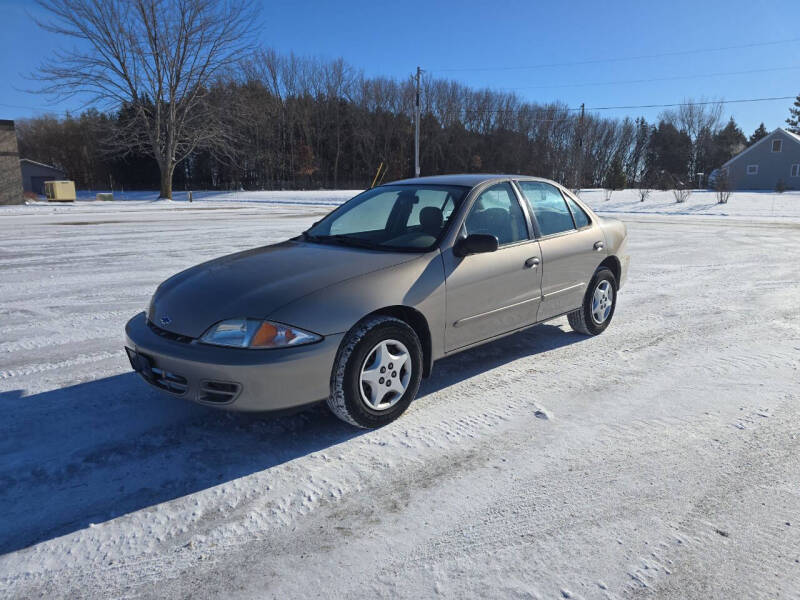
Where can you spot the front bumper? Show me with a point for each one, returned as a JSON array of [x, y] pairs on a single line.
[[232, 378]]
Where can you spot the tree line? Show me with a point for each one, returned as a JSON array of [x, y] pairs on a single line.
[[191, 102], [293, 123]]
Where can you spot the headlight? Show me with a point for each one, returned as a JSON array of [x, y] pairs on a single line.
[[255, 333]]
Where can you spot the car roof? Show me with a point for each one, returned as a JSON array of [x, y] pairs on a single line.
[[466, 179]]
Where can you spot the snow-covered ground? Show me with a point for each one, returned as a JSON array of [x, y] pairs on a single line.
[[742, 205], [661, 459]]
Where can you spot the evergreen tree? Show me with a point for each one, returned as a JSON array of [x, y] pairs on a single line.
[[758, 134], [794, 120], [637, 167], [728, 142], [668, 155], [615, 178], [715, 149]]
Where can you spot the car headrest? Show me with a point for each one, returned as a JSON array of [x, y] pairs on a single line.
[[497, 214], [430, 218]]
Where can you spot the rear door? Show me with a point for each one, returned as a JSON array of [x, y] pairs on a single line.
[[572, 247], [493, 293]]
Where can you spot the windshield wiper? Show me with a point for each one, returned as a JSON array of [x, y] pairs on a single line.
[[344, 240], [309, 237]]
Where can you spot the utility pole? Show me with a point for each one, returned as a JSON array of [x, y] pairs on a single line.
[[579, 162], [416, 127]]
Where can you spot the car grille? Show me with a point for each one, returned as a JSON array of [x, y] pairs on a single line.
[[219, 392], [168, 381], [185, 339]]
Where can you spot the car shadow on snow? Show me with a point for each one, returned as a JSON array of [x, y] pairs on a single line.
[[99, 450], [469, 363]]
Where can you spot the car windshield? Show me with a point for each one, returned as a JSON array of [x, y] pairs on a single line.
[[391, 217]]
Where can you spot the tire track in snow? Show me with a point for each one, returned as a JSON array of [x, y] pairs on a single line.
[[83, 359]]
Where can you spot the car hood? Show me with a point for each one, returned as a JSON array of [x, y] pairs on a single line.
[[256, 282]]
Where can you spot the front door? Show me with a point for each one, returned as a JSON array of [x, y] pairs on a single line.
[[493, 293]]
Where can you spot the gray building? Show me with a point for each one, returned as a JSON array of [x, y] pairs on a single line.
[[773, 159], [34, 174], [10, 182]]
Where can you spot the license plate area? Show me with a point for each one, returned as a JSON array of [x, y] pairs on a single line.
[[155, 375], [141, 363]]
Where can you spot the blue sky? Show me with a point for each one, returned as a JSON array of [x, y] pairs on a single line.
[[393, 38]]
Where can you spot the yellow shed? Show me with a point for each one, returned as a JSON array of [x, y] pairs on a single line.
[[59, 191]]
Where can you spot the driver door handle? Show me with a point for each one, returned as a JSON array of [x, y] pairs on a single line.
[[532, 262], [599, 245]]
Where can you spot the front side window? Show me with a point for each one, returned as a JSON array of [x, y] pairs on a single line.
[[548, 206], [752, 169], [391, 217], [777, 145], [497, 212]]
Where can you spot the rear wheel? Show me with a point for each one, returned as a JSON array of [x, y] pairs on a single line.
[[377, 372], [599, 303]]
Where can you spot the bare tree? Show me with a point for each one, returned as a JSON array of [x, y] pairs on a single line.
[[155, 59], [693, 117], [304, 122], [644, 183], [722, 187], [680, 192]]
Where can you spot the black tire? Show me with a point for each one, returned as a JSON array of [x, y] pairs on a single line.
[[581, 320], [345, 399]]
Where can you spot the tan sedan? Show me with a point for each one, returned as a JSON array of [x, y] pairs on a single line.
[[357, 309]]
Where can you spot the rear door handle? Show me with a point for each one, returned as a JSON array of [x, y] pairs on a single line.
[[532, 262], [599, 245]]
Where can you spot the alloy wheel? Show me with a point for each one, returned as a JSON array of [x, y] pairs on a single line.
[[385, 375], [602, 301]]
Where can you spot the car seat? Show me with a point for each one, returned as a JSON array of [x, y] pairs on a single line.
[[494, 221], [430, 220]]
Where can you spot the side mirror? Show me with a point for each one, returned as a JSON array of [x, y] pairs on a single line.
[[475, 243]]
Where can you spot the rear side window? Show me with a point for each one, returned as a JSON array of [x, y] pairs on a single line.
[[580, 216], [549, 207]]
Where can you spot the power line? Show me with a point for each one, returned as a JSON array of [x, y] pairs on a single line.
[[619, 58], [691, 103], [672, 105], [675, 78]]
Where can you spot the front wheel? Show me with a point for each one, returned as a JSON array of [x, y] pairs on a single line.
[[599, 303], [377, 372]]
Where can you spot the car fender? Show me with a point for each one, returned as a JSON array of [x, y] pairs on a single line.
[[417, 284], [616, 238]]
